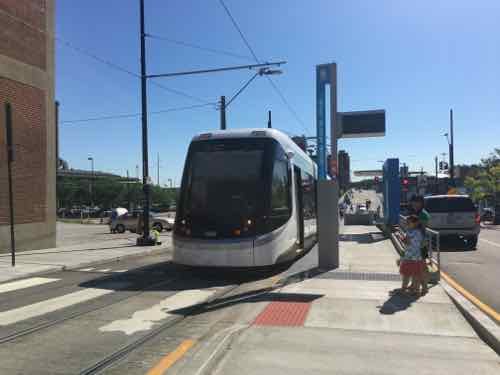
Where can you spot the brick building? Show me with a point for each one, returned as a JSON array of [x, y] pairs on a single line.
[[27, 83]]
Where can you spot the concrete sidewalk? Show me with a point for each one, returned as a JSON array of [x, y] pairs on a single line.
[[37, 262], [347, 322]]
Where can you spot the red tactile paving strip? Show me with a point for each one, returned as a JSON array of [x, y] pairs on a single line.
[[281, 313]]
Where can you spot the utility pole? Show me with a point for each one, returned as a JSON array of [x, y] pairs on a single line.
[[137, 171], [222, 112], [452, 156], [269, 124], [146, 238]]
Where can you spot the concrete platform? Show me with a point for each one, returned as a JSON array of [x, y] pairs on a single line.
[[356, 325]]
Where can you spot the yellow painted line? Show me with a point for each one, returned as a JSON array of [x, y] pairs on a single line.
[[167, 361], [480, 305]]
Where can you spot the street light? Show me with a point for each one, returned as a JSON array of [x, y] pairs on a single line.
[[91, 159]]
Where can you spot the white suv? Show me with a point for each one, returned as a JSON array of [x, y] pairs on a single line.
[[454, 216]]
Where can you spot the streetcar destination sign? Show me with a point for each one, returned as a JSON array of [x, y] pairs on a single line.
[[361, 124]]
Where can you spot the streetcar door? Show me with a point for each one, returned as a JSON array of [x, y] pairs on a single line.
[[300, 207]]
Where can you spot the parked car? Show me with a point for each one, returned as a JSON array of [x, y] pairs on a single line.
[[488, 214], [129, 221], [454, 216]]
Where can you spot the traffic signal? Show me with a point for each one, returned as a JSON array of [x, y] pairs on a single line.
[[376, 179], [405, 184]]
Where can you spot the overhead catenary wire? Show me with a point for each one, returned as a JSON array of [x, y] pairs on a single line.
[[273, 84], [104, 61], [134, 115], [202, 48]]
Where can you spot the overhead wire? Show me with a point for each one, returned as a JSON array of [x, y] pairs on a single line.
[[273, 84], [133, 115], [95, 57], [195, 46]]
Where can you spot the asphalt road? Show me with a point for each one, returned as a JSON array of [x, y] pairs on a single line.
[[476, 270]]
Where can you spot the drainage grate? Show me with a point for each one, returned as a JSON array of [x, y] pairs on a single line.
[[368, 276]]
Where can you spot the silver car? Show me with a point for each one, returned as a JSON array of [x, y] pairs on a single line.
[[454, 216], [129, 222]]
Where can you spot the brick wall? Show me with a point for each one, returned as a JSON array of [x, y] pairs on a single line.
[[22, 31], [30, 158]]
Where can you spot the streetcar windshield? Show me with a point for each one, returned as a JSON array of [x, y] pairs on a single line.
[[223, 183]]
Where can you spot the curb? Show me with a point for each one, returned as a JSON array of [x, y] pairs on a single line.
[[63, 267], [486, 328]]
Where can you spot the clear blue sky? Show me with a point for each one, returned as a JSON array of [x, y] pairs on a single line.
[[414, 59]]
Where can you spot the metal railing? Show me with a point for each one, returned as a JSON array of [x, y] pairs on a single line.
[[433, 244]]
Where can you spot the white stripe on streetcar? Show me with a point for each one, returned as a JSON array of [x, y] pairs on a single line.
[[27, 283], [490, 242], [54, 304]]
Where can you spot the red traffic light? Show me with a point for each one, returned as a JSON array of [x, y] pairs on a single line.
[[376, 179], [405, 181]]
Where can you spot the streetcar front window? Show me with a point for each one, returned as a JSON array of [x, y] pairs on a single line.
[[222, 189]]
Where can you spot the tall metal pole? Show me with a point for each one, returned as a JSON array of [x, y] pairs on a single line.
[[269, 123], [158, 169], [452, 156], [146, 239], [10, 159], [223, 113], [436, 166]]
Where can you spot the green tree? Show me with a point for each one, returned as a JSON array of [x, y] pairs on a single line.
[[486, 184]]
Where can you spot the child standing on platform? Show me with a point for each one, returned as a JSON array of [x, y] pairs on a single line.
[[411, 265]]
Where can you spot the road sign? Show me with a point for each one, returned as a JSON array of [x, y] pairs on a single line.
[[361, 124], [443, 165]]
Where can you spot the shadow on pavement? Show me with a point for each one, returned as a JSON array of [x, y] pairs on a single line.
[[397, 302], [363, 238]]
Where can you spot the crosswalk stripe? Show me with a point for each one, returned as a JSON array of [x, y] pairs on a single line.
[[57, 303], [27, 283]]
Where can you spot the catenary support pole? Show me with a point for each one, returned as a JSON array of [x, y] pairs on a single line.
[[223, 113], [146, 238]]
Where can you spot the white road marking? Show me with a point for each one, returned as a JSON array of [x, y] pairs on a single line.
[[144, 320], [120, 271], [27, 283], [104, 270], [57, 303], [490, 242], [87, 269]]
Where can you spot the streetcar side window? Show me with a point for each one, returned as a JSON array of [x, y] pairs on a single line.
[[281, 207]]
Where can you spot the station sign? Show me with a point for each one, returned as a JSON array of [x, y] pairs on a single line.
[[361, 124]]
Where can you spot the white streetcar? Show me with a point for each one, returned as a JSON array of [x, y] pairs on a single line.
[[247, 199]]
